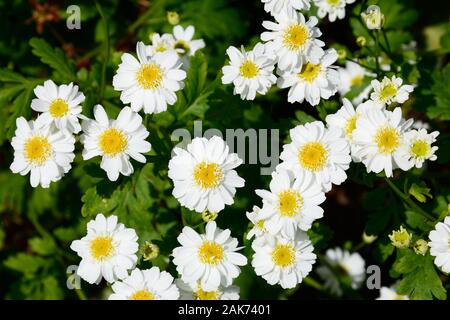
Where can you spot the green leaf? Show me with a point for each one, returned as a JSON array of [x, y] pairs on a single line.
[[320, 235], [25, 263], [420, 192], [440, 89], [42, 246], [7, 75], [94, 204], [54, 57]]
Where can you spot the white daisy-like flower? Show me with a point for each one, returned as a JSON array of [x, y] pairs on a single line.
[[149, 82], [194, 291], [440, 245], [250, 72], [211, 258], [380, 136], [41, 150], [352, 75], [341, 263], [259, 228], [161, 43], [390, 90], [275, 7], [115, 141], [184, 43], [387, 293], [319, 152], [108, 250], [60, 105], [203, 175], [150, 284], [293, 39], [283, 261], [345, 120], [311, 81], [418, 147], [335, 9], [291, 203]]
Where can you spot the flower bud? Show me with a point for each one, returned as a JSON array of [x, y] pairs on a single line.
[[173, 17], [420, 247], [368, 239], [149, 251], [361, 41], [209, 216], [373, 18], [400, 238]]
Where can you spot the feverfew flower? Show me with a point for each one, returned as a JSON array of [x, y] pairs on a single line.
[[203, 175], [440, 245], [259, 228], [344, 264], [291, 203], [380, 136], [60, 105], [293, 39], [311, 81], [151, 284], [209, 258], [194, 291], [400, 238], [149, 82], [390, 294], [319, 152], [108, 250], [115, 141], [333, 8], [283, 261], [390, 90], [250, 72], [418, 147], [276, 7], [184, 44], [373, 17], [41, 150], [160, 43], [352, 75]]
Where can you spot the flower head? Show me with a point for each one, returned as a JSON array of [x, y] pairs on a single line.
[[400, 238], [373, 17], [194, 291], [440, 245]]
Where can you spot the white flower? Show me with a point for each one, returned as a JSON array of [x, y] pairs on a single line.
[[318, 152], [373, 17], [41, 150], [311, 81], [283, 261], [194, 291], [419, 124], [352, 75], [291, 203], [209, 258], [150, 284], [276, 7], [440, 245], [345, 120], [160, 43], [149, 82], [250, 72], [184, 44], [203, 175], [418, 147], [341, 263], [108, 250], [293, 39], [115, 141], [259, 228], [380, 136], [387, 293], [334, 8], [390, 90], [60, 105]]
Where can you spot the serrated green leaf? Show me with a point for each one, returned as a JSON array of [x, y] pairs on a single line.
[[420, 191]]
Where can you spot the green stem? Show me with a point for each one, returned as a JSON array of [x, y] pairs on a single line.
[[313, 283], [80, 293], [386, 40], [361, 64], [377, 44], [106, 58], [408, 201]]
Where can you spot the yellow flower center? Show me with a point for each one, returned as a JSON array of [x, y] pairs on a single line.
[[112, 142], [283, 255], [357, 80], [350, 126], [248, 69], [334, 3], [181, 44], [207, 175], [142, 295], [102, 247], [161, 48], [387, 140], [313, 156], [310, 72], [37, 150], [200, 294], [387, 92], [149, 76], [420, 148], [58, 108], [295, 36], [289, 203], [210, 252]]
